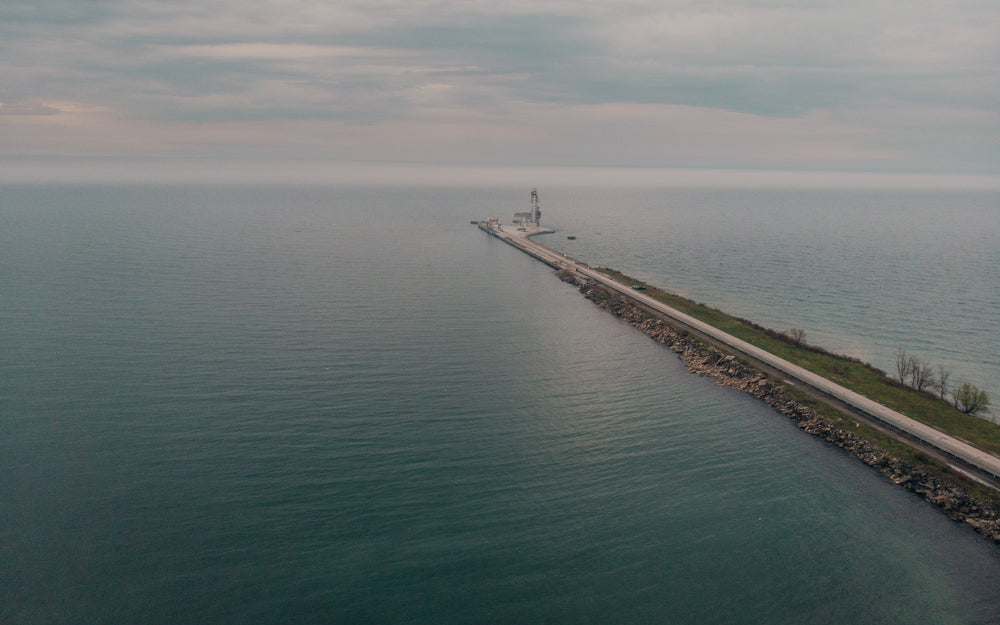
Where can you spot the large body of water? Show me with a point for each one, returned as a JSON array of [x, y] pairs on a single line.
[[319, 405], [865, 273]]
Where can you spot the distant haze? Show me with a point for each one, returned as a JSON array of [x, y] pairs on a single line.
[[205, 170], [123, 88]]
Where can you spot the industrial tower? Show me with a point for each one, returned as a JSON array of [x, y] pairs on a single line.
[[534, 216]]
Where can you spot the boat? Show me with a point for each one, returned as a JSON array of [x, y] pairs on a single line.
[[571, 237]]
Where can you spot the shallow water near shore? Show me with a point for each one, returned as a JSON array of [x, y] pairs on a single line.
[[319, 405]]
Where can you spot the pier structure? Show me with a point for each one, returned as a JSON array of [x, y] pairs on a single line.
[[525, 224], [964, 454], [533, 217]]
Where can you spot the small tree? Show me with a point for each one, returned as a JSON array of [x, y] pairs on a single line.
[[797, 335], [970, 399], [942, 381], [902, 365], [921, 373]]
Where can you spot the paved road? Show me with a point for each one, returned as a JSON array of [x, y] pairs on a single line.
[[963, 451]]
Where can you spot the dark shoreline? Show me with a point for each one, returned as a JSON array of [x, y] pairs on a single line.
[[727, 370]]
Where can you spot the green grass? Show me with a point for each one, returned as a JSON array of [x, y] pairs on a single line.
[[850, 373]]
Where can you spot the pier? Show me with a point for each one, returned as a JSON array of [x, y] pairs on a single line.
[[967, 457]]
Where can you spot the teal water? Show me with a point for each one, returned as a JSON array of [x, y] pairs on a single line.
[[284, 405]]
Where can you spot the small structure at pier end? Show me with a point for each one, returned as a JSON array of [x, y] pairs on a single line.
[[534, 216], [525, 224]]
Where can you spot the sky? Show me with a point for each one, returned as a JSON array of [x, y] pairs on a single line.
[[881, 87]]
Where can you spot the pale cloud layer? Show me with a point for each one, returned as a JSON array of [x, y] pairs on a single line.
[[887, 85]]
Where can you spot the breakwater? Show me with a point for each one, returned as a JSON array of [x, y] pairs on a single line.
[[727, 370], [977, 461], [648, 315]]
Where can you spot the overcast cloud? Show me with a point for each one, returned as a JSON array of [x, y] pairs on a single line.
[[885, 85]]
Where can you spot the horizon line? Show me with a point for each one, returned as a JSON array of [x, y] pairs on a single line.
[[107, 170]]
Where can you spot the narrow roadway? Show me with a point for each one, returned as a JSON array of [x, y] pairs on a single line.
[[954, 447]]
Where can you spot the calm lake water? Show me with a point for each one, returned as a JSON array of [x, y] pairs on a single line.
[[336, 405], [865, 273]]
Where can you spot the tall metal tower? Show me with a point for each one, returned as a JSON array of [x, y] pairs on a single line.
[[532, 217]]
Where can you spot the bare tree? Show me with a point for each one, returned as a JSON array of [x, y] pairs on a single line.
[[902, 365], [942, 381], [970, 399], [921, 373], [797, 335]]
